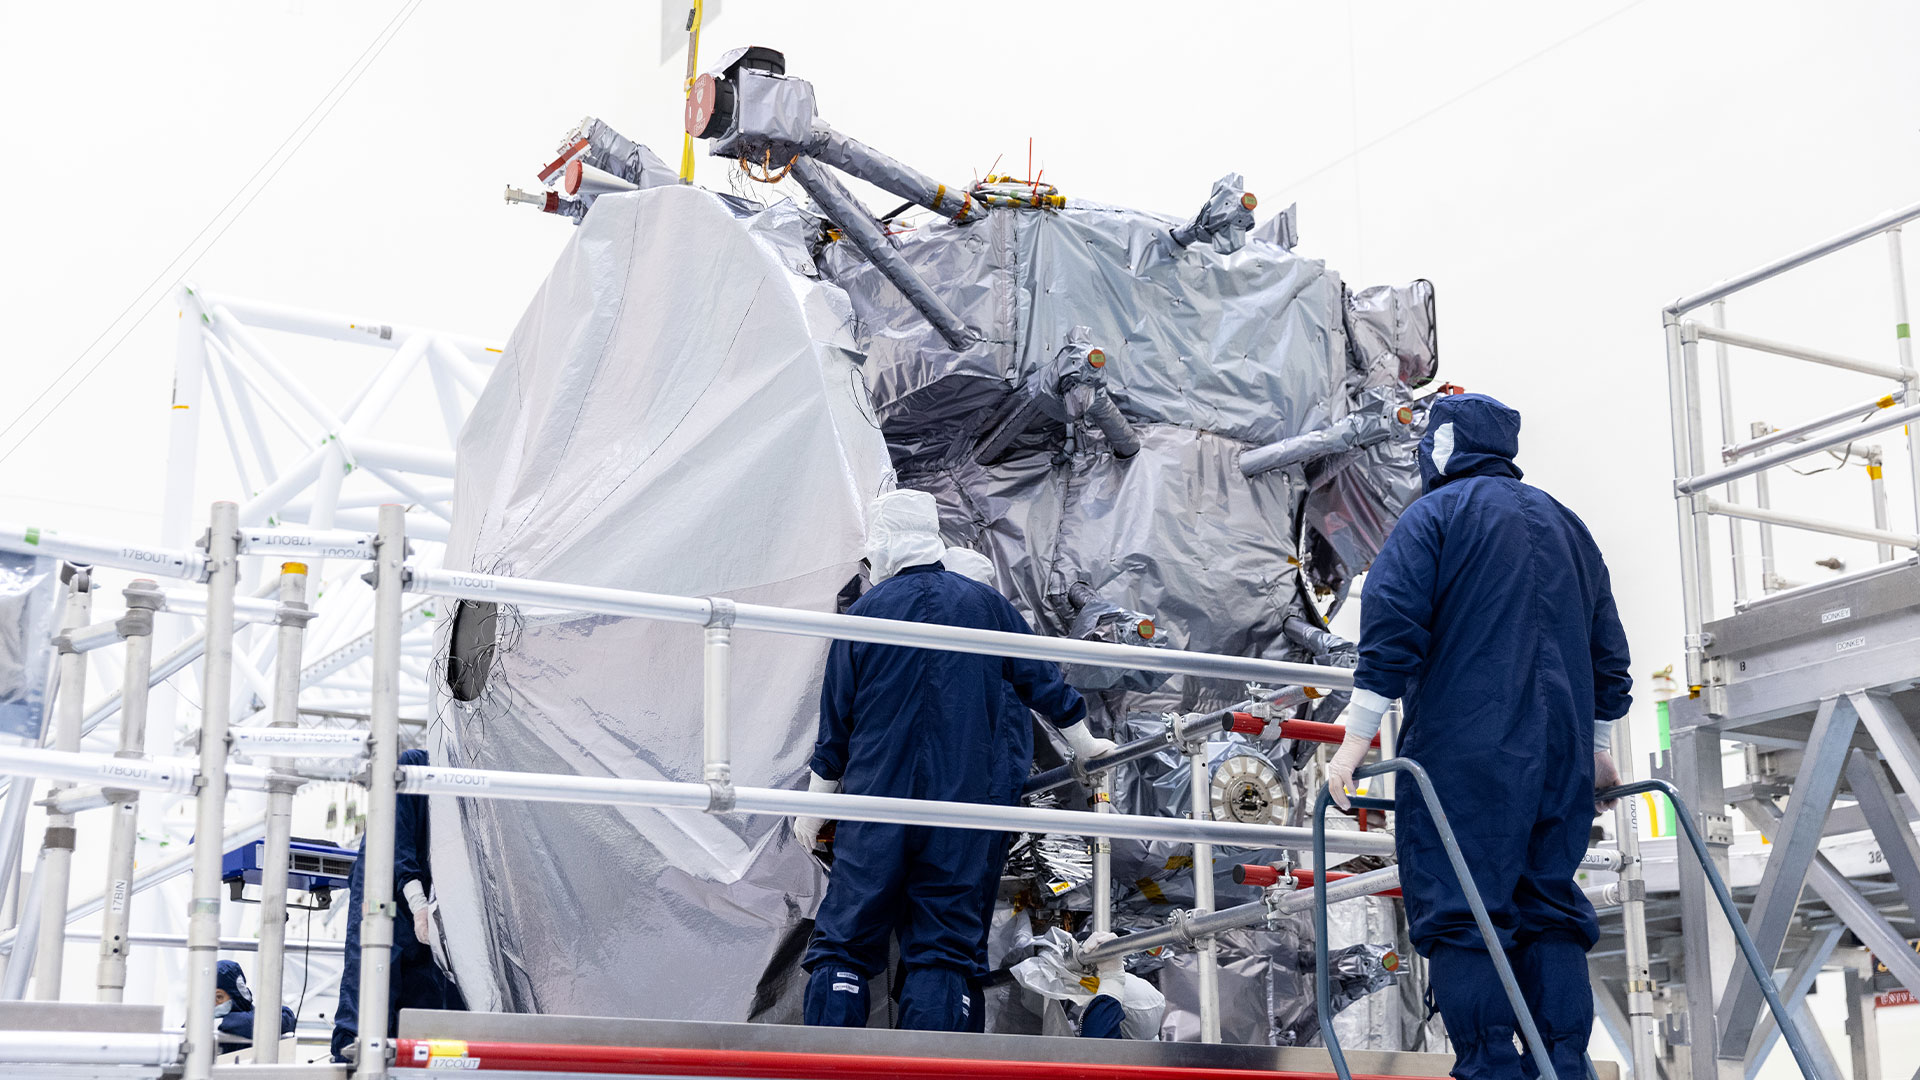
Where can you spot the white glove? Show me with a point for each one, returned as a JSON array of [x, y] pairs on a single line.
[[1605, 775], [1362, 720], [417, 902], [1085, 745], [1110, 970], [807, 829]]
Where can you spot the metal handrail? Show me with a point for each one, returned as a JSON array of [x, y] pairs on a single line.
[[1323, 994], [1789, 1028], [1762, 972]]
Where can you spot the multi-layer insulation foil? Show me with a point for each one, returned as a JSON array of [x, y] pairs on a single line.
[[701, 399]]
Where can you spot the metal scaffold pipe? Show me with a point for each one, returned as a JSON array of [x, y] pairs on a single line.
[[203, 914], [625, 602], [143, 599], [378, 908], [274, 868], [56, 858]]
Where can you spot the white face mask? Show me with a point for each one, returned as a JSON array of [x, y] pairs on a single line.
[[223, 1008]]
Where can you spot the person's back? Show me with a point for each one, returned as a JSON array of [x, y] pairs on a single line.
[[1489, 614], [917, 723], [892, 750]]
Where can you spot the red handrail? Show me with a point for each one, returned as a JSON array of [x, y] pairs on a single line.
[[681, 1061]]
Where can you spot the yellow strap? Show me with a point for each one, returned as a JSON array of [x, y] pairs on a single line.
[[939, 195]]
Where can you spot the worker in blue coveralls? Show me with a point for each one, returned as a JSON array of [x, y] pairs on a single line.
[[233, 1006], [415, 981], [1490, 615], [922, 724]]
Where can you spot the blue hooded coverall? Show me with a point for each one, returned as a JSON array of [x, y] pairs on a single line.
[[416, 982], [236, 1028], [920, 724], [1490, 615]]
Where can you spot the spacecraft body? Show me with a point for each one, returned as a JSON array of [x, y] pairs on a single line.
[[1161, 430]]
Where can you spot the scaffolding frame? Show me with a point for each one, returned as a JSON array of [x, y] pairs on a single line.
[[1815, 680]]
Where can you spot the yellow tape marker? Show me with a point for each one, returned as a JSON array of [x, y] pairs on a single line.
[[1090, 983], [456, 1048], [1873, 472]]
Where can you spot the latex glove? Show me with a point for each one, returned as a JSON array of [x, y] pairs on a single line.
[[1085, 745], [1353, 751], [1605, 775], [1362, 721], [422, 909], [1108, 971], [807, 829]]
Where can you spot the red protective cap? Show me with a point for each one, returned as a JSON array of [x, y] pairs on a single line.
[[1097, 358], [552, 205], [1404, 415], [1145, 629], [1247, 724], [700, 103], [1247, 200], [575, 170], [1256, 875]]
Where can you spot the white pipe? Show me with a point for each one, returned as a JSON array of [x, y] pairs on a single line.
[[1796, 521], [90, 551], [308, 543], [1877, 493], [1796, 352], [264, 359], [1723, 381], [346, 328], [489, 587], [717, 704], [1207, 952], [56, 863], [377, 914], [86, 639], [242, 392], [110, 980], [1705, 481], [1890, 220], [203, 913], [295, 479], [162, 871], [779, 802], [289, 741], [1642, 1046], [1765, 437], [13, 987], [1903, 342], [246, 609], [1103, 857], [183, 423], [274, 872], [457, 365], [393, 374], [413, 459], [89, 1048], [230, 944]]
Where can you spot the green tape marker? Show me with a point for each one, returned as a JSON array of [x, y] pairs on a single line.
[[33, 537], [1900, 331]]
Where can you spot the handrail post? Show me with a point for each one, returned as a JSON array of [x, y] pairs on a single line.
[[1207, 951], [1903, 340], [1723, 382], [143, 599], [216, 692], [1103, 857], [56, 864], [376, 854], [1323, 991], [1642, 1047], [717, 706], [1762, 971], [1690, 566], [292, 621]]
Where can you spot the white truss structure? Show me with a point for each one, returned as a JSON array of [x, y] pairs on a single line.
[[325, 453]]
